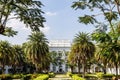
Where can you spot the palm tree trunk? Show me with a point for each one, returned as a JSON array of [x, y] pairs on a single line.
[[116, 66], [3, 68], [104, 69], [83, 66], [71, 69], [36, 66], [78, 66], [3, 65]]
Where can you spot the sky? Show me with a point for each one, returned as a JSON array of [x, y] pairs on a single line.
[[61, 22]]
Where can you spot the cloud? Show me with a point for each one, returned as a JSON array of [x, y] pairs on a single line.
[[17, 25], [51, 13], [46, 29]]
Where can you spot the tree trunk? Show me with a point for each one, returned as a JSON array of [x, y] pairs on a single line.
[[71, 69], [78, 67], [3, 68], [89, 68], [104, 69], [116, 66], [36, 66], [83, 66]]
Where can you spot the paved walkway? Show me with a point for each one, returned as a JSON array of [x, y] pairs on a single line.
[[60, 77]]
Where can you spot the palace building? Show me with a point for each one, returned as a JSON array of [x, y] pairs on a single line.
[[60, 50]]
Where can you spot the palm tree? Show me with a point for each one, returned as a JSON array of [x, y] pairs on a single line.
[[72, 62], [36, 49], [6, 54], [109, 46], [102, 56], [114, 55], [19, 57], [84, 48]]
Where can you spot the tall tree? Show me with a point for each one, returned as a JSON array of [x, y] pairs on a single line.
[[36, 49], [19, 57], [84, 48], [6, 54], [72, 60], [110, 12], [27, 11], [108, 42]]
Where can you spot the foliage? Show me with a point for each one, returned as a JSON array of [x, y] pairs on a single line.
[[6, 53], [27, 77], [75, 77], [51, 75], [82, 50], [5, 76], [19, 58], [17, 76], [36, 50], [9, 32], [69, 74], [42, 77], [27, 11], [108, 41], [107, 9], [104, 76], [54, 57]]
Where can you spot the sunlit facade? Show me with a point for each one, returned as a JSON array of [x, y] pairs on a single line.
[[62, 48]]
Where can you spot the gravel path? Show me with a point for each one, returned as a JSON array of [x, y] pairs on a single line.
[[60, 77]]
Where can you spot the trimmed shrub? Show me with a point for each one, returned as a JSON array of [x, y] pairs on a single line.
[[42, 77], [33, 76], [69, 74], [27, 77], [5, 76], [51, 75], [91, 76], [17, 76], [75, 77], [104, 76], [108, 75]]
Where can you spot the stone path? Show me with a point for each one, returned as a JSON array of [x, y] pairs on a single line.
[[60, 77]]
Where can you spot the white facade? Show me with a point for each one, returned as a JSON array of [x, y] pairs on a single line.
[[61, 47]]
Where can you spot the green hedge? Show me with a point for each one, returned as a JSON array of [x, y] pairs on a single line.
[[91, 77], [104, 76], [51, 75], [76, 77], [18, 76], [5, 76], [69, 74], [95, 76], [42, 77]]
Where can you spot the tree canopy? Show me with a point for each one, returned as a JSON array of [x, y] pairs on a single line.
[[27, 11]]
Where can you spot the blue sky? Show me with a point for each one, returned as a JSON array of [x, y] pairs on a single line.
[[61, 22]]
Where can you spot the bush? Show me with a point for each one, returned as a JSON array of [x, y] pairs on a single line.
[[69, 74], [51, 75], [34, 76], [27, 77], [107, 75], [6, 76], [104, 76], [91, 76], [75, 77], [42, 77], [17, 76]]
